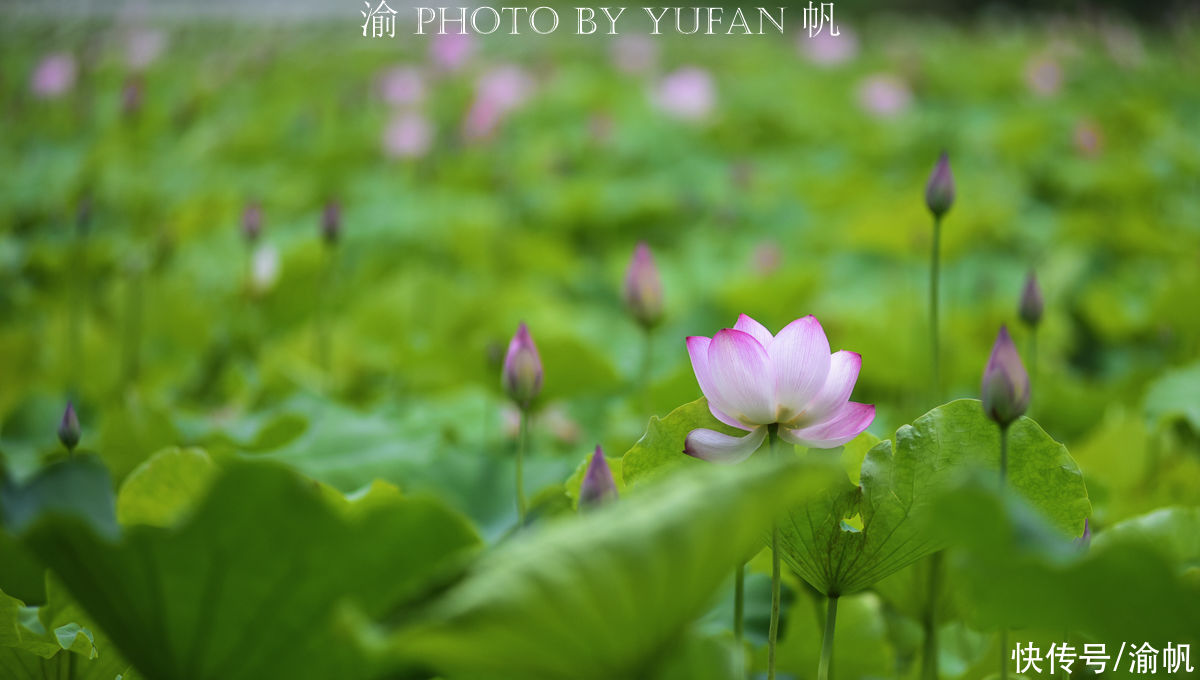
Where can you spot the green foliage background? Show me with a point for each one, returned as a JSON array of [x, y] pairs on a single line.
[[123, 285]]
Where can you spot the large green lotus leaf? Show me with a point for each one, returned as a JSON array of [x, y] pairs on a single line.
[[244, 585], [165, 486], [55, 640], [1017, 570], [604, 594], [1175, 395], [825, 544], [661, 448]]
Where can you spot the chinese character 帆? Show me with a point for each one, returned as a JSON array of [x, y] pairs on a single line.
[[381, 20], [815, 18]]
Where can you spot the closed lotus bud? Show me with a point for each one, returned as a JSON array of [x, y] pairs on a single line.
[[331, 222], [1005, 389], [1030, 309], [939, 192], [252, 219], [1085, 539], [598, 486], [68, 428], [522, 375], [643, 288]]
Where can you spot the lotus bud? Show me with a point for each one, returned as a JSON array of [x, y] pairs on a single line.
[[331, 222], [939, 192], [598, 486], [1030, 309], [522, 375], [1005, 389], [643, 288], [252, 219], [68, 428], [1085, 539]]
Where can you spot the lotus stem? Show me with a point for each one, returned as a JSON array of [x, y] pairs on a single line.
[[1003, 480], [739, 602], [776, 581], [323, 295], [929, 668], [522, 442], [934, 279], [826, 661], [647, 364]]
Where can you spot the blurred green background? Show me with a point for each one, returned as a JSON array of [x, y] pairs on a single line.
[[489, 180]]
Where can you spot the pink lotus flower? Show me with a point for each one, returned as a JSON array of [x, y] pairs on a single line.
[[687, 94], [408, 135], [498, 92], [450, 51], [825, 49], [753, 379], [884, 96], [402, 86], [54, 76]]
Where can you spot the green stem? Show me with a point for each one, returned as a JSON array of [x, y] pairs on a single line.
[[1003, 654], [644, 378], [776, 581], [1003, 454], [739, 602], [523, 441], [827, 641], [1003, 480], [133, 328], [929, 668], [1033, 365], [323, 295], [934, 278]]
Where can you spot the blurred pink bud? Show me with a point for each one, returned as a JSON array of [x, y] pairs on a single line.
[[939, 190], [687, 94], [1005, 388], [1089, 138], [753, 379], [1044, 76], [408, 135], [643, 288], [451, 51], [824, 49], [499, 91], [522, 376], [634, 54], [331, 222], [68, 428], [402, 86], [143, 47], [131, 96], [54, 76], [884, 95], [598, 486], [252, 221], [767, 258]]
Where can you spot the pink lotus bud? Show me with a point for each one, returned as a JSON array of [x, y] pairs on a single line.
[[753, 380], [54, 76], [1085, 539], [598, 486], [68, 428], [522, 376], [635, 53], [331, 222], [252, 219], [1005, 388], [687, 94], [402, 86], [143, 47], [131, 96], [408, 135], [1044, 76], [826, 49], [884, 96], [939, 191], [450, 51], [643, 288], [1030, 309]]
